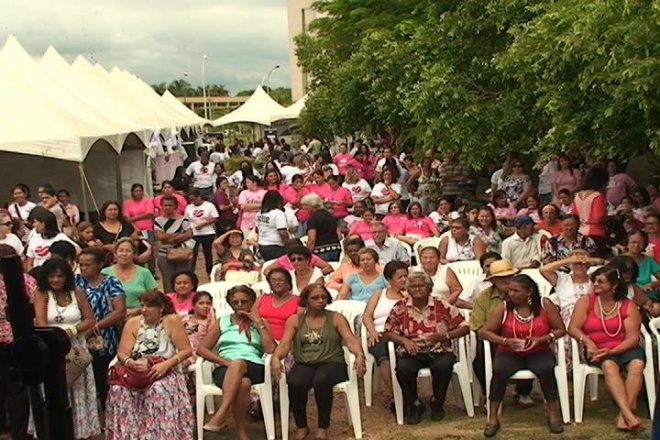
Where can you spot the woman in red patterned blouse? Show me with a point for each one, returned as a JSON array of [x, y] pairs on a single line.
[[422, 327]]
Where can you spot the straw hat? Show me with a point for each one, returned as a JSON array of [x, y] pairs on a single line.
[[501, 268]]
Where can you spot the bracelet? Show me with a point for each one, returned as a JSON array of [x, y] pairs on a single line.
[[552, 336], [74, 330], [178, 360], [360, 354], [503, 341]]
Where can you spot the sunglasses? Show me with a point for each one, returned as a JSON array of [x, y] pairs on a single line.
[[297, 259]]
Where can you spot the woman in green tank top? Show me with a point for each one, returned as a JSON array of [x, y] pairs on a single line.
[[316, 336], [236, 343]]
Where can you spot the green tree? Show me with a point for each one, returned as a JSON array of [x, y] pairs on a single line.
[[159, 88]]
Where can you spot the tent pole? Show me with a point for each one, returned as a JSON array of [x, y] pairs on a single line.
[[84, 193], [148, 180], [120, 191]]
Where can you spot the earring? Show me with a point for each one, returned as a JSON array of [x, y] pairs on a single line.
[[529, 300]]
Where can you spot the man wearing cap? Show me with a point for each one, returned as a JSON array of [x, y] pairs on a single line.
[[501, 273], [523, 248]]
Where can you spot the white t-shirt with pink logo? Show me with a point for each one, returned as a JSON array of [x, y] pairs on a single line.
[[39, 247], [359, 190], [200, 214], [380, 190]]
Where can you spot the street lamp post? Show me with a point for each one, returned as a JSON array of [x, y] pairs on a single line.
[[266, 78], [206, 109]]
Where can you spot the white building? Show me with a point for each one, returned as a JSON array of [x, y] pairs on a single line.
[[300, 15]]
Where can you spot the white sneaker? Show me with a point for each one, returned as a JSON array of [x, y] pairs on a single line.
[[525, 400]]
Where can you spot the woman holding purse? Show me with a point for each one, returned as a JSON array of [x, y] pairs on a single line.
[[172, 231], [59, 303], [108, 301], [148, 397]]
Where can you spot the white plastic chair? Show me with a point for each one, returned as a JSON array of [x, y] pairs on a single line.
[[371, 373], [215, 271], [544, 285], [424, 243], [264, 266], [261, 287], [461, 372], [467, 273], [560, 376], [218, 291], [204, 387], [348, 388], [406, 246], [349, 308], [582, 371]]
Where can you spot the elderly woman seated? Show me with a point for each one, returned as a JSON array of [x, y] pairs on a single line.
[[445, 281], [423, 328], [607, 324], [460, 245]]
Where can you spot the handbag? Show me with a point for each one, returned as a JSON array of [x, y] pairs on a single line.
[[121, 375], [77, 361], [96, 342], [183, 252]]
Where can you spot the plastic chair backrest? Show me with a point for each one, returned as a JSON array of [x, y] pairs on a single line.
[[349, 308], [424, 243], [218, 291], [545, 288], [264, 266]]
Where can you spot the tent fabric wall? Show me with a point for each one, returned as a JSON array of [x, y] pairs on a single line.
[[291, 112]]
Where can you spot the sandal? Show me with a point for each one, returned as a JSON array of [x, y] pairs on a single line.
[[556, 427], [491, 430]]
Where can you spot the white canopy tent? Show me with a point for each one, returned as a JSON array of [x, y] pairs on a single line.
[[291, 112], [173, 102], [259, 109]]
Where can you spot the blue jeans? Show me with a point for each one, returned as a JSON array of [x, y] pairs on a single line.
[[330, 256]]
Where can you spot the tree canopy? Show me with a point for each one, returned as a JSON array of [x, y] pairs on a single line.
[[484, 77], [181, 87]]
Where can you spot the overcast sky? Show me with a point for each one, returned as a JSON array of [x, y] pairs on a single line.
[[159, 40]]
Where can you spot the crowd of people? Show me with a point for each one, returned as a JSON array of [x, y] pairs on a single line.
[[360, 222]]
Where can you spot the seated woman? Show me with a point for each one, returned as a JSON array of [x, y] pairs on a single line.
[[350, 263], [315, 335], [155, 341], [532, 208], [417, 225], [550, 220], [647, 266], [444, 215], [504, 209], [395, 219], [302, 273], [629, 273], [236, 343], [422, 327], [488, 229], [198, 321], [276, 307], [185, 285], [445, 281], [523, 326], [378, 309], [232, 253], [608, 325], [363, 227], [562, 245], [134, 279], [460, 246], [285, 263], [362, 284]]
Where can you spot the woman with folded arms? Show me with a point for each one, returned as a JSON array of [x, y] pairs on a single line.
[[460, 245], [608, 325], [523, 326], [236, 343], [315, 335], [378, 309]]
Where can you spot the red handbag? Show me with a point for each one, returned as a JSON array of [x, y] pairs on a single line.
[[126, 377]]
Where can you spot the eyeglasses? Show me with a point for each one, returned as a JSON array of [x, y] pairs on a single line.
[[293, 260], [6, 224], [278, 280], [417, 286], [239, 302]]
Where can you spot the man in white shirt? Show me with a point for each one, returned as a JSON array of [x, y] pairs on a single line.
[[203, 175], [388, 249], [523, 248], [202, 216], [388, 153]]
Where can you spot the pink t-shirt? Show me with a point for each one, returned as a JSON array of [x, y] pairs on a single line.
[[361, 228], [618, 187], [281, 189], [183, 307], [395, 223], [180, 209], [321, 190], [342, 161], [291, 196], [340, 194], [133, 208], [247, 217], [422, 227], [285, 263], [369, 168]]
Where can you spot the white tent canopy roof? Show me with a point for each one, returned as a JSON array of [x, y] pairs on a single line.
[[173, 102], [259, 109], [291, 112]]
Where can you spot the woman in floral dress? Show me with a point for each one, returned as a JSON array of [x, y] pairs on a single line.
[[162, 411]]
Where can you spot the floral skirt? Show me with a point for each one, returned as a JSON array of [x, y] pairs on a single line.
[[162, 412]]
